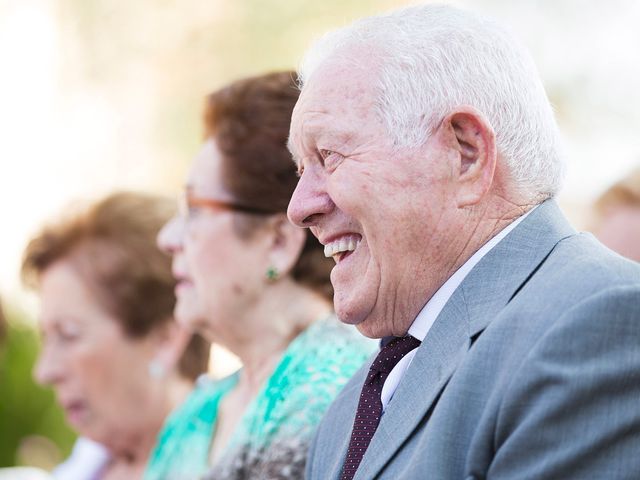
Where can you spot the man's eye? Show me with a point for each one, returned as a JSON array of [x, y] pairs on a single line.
[[330, 159], [324, 154]]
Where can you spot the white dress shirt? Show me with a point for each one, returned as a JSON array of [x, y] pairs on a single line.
[[427, 316]]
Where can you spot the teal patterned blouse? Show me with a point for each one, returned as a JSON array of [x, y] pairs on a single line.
[[273, 436]]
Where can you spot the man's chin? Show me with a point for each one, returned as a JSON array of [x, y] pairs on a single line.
[[348, 310], [372, 329], [365, 324]]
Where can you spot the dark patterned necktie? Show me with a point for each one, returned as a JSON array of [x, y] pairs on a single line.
[[370, 404]]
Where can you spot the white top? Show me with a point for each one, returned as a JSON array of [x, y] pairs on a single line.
[[86, 462], [23, 473], [427, 316]]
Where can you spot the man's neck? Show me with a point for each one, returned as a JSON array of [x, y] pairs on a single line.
[[427, 316]]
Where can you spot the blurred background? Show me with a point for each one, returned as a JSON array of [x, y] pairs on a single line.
[[97, 95]]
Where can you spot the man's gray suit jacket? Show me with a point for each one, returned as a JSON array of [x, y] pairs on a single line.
[[531, 371]]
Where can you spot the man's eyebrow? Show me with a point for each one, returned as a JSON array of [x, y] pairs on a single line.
[[294, 155], [316, 132]]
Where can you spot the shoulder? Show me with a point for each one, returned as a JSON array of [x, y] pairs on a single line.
[[580, 381], [604, 320], [591, 265], [579, 270], [328, 352], [332, 336], [581, 300], [313, 370], [201, 404], [182, 444]]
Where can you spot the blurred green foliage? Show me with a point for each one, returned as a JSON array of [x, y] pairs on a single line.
[[26, 409]]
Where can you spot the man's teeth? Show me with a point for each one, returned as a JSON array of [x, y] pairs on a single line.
[[340, 246]]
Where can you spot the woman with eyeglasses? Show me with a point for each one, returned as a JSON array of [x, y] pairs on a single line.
[[254, 283]]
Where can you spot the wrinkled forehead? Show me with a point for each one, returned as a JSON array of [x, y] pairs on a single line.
[[347, 75], [338, 97]]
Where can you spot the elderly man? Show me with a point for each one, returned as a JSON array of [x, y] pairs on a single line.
[[428, 158]]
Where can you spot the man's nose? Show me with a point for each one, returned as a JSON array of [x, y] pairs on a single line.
[[310, 200]]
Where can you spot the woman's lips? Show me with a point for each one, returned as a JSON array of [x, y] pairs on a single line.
[[183, 284], [75, 411]]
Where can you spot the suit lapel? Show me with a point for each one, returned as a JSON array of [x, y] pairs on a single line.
[[430, 369], [484, 292]]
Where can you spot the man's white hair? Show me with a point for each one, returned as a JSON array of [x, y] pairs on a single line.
[[430, 59]]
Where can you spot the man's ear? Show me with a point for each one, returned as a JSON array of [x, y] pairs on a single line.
[[473, 138], [287, 242]]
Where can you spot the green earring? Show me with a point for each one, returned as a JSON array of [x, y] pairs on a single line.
[[272, 274]]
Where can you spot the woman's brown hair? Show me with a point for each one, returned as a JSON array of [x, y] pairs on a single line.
[[249, 119], [112, 245]]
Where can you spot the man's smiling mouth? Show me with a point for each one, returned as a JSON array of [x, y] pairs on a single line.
[[341, 247]]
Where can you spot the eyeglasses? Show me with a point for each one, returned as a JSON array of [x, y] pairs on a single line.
[[188, 206]]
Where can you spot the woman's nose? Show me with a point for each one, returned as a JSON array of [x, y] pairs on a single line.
[[170, 236], [48, 369]]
